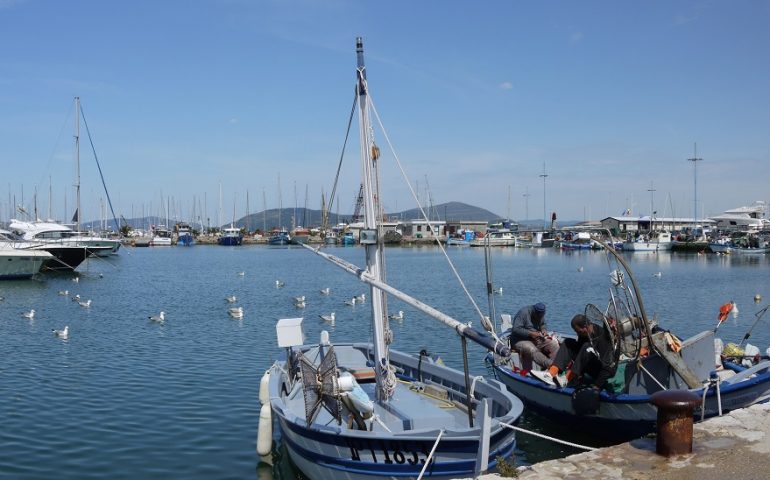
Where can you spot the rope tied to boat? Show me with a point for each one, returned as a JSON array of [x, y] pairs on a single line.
[[716, 382], [546, 437], [430, 455]]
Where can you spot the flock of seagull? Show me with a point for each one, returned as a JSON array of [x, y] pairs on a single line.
[[301, 302], [234, 311], [64, 332]]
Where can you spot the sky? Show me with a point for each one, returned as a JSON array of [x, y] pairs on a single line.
[[478, 100]]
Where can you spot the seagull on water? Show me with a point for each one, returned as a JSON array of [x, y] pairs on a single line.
[[657, 274], [299, 299], [86, 304], [327, 318], [30, 314], [351, 302], [580, 268], [241, 274], [63, 334], [301, 304], [279, 284], [235, 312], [64, 293], [76, 279], [326, 291], [499, 291], [361, 298], [397, 316], [160, 318], [230, 299], [76, 297]]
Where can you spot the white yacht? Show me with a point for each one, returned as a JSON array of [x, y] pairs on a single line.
[[17, 262], [57, 233]]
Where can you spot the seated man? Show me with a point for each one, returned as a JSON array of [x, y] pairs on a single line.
[[529, 337], [591, 356]]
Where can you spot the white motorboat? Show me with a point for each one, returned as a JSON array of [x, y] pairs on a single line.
[[501, 237], [17, 263], [656, 241]]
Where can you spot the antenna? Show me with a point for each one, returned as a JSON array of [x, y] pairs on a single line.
[[545, 216], [695, 161]]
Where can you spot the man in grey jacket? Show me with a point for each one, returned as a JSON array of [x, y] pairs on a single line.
[[529, 337]]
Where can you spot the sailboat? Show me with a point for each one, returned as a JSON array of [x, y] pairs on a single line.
[[69, 247], [366, 411]]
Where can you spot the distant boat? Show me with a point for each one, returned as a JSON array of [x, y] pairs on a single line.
[[231, 236], [348, 239], [657, 241], [744, 243], [536, 240], [300, 235], [184, 234], [161, 236], [502, 237], [331, 238], [279, 237], [579, 241]]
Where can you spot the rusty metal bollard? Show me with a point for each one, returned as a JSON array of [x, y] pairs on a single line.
[[675, 419]]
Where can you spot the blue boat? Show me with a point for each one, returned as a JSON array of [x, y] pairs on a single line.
[[231, 236], [184, 235], [646, 359], [279, 237], [348, 239], [366, 411]]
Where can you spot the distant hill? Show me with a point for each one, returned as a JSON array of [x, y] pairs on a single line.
[[450, 211], [312, 218]]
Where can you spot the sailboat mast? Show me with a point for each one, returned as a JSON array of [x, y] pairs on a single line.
[[374, 257], [77, 160]]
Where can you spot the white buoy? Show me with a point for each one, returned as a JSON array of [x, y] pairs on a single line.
[[264, 395], [757, 298], [265, 432]]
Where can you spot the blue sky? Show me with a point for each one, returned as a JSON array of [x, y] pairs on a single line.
[[182, 96]]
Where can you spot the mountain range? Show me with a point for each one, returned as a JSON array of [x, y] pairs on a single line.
[[288, 217]]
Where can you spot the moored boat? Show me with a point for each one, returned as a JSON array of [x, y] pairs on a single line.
[[184, 234], [366, 411], [231, 236], [646, 359], [656, 241], [19, 263], [161, 236], [279, 238], [501, 237]]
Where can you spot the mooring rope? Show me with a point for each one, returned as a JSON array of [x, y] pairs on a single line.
[[430, 455], [563, 442]]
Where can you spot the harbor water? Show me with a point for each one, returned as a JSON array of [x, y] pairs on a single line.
[[125, 397]]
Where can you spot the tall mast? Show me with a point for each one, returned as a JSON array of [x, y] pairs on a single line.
[[695, 161], [77, 160], [372, 221]]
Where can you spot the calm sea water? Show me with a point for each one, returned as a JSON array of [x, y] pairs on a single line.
[[128, 398]]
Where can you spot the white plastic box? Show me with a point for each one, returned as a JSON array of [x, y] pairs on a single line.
[[289, 332]]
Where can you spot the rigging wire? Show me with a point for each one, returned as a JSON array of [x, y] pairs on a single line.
[[342, 153], [422, 212], [93, 149]]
